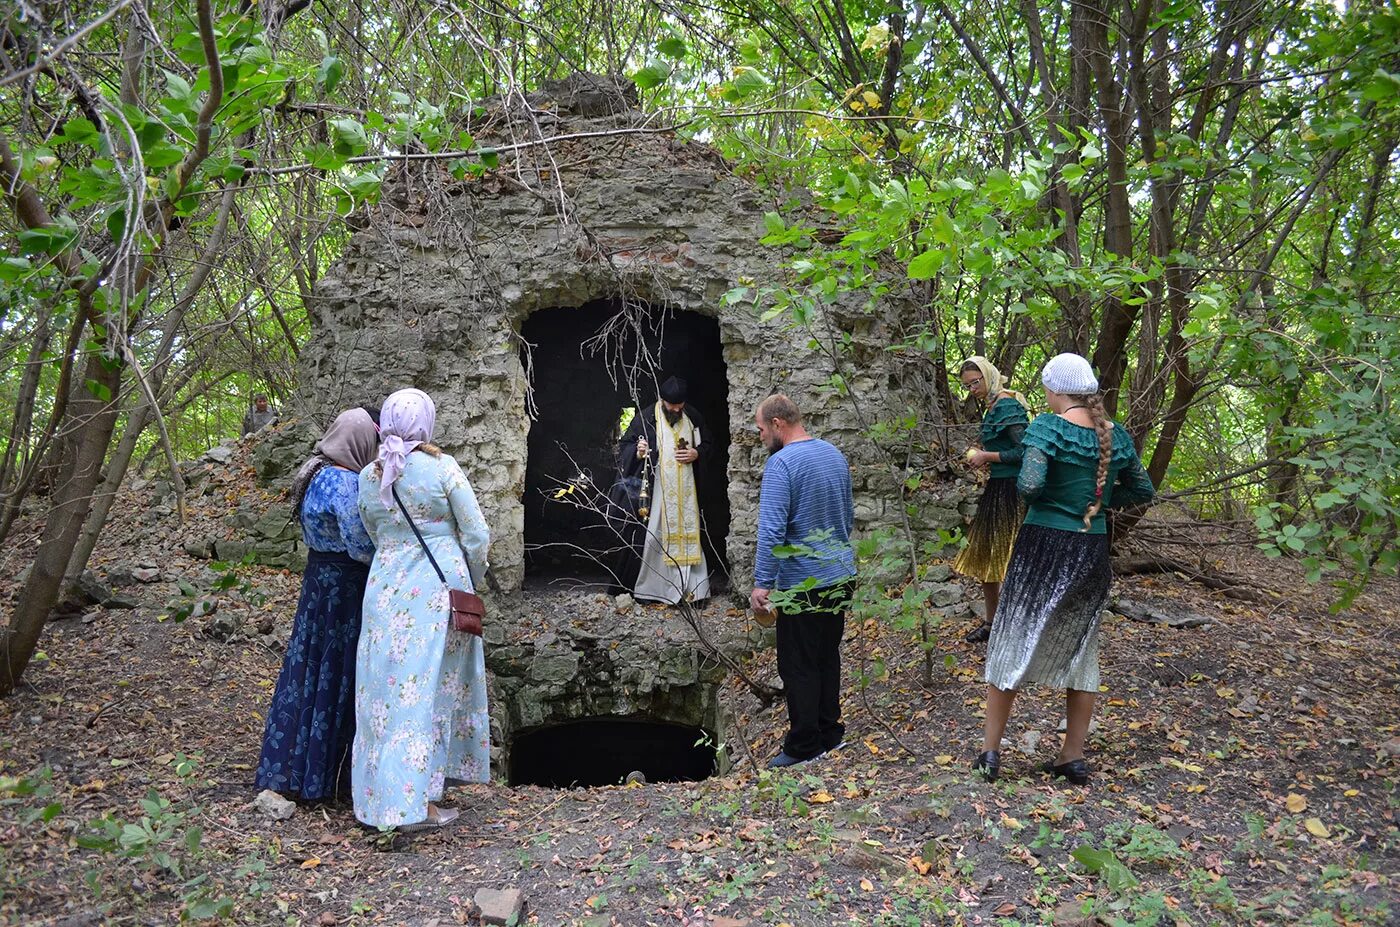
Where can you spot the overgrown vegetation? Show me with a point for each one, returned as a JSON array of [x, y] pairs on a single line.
[[1201, 197]]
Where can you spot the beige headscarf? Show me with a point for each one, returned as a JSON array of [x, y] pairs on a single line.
[[350, 442], [996, 387]]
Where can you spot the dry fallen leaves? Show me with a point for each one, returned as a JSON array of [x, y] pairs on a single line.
[[1295, 803]]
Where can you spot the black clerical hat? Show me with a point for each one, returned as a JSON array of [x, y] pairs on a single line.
[[673, 390]]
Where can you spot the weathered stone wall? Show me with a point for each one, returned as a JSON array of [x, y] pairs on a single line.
[[559, 657], [433, 291]]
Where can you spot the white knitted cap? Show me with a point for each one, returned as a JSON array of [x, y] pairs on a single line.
[[1069, 373]]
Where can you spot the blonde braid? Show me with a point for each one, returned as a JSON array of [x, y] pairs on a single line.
[[1093, 403]]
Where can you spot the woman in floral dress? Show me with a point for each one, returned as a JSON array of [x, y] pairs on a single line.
[[420, 702]]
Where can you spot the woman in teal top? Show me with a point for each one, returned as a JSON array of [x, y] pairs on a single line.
[[1076, 464], [992, 533]]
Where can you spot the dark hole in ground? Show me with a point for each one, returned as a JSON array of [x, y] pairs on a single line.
[[602, 751], [581, 388]]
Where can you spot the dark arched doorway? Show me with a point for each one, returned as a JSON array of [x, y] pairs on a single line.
[[585, 372]]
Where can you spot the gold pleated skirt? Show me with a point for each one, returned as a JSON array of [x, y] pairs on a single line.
[[992, 534]]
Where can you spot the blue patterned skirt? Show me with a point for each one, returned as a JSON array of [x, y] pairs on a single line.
[[311, 723]]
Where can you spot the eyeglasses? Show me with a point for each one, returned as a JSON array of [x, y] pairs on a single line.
[[973, 383]]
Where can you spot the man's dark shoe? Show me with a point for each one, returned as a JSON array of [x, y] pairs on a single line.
[[988, 765], [979, 634], [783, 759], [1076, 771]]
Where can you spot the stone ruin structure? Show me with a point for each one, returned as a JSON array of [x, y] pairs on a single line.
[[539, 298]]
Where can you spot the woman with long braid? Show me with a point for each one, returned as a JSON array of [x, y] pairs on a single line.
[[1076, 464]]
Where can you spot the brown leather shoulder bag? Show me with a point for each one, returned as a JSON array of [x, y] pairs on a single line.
[[465, 609]]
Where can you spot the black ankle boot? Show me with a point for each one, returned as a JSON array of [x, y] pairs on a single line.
[[979, 634], [1076, 771], [988, 765]]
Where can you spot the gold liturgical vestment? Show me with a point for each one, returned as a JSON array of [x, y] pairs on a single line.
[[673, 563]]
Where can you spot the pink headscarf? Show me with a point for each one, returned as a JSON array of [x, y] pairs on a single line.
[[405, 422]]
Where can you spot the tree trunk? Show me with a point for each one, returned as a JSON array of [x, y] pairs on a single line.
[[1110, 354], [71, 499], [96, 518], [16, 463]]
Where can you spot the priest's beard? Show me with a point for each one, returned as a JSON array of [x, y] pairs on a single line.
[[672, 417]]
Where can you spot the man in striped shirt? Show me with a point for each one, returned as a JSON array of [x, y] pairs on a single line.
[[805, 518]]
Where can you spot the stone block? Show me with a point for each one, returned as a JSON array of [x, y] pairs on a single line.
[[274, 805], [282, 449], [506, 661], [678, 667], [231, 551], [938, 573], [554, 668], [199, 548], [942, 595]]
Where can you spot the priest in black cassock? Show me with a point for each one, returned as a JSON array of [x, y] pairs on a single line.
[[664, 450]]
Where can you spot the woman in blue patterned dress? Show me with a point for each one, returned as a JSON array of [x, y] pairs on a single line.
[[311, 723], [420, 700]]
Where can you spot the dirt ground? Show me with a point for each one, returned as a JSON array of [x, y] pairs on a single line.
[[1245, 773]]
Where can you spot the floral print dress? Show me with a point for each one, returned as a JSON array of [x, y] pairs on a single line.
[[420, 699]]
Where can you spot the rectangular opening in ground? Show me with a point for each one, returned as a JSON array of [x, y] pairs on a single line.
[[606, 751]]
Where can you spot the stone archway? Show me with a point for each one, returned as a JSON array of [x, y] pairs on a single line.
[[581, 385]]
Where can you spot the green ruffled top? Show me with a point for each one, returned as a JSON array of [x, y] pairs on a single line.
[[1002, 428], [1058, 470]]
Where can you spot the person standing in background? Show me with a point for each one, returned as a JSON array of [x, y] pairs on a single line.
[[259, 416]]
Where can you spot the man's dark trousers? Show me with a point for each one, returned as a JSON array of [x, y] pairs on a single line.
[[809, 662]]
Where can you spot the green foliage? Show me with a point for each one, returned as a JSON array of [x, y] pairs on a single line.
[[33, 793], [1260, 214], [1104, 863], [786, 790], [231, 577], [1143, 843], [162, 843]]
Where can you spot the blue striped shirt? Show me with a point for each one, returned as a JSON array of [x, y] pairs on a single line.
[[805, 502]]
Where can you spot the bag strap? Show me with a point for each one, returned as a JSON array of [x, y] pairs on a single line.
[[416, 533], [490, 577]]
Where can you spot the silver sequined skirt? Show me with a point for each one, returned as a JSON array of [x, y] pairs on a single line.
[[1046, 628]]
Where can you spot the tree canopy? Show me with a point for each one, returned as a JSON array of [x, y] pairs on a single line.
[[1201, 197]]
